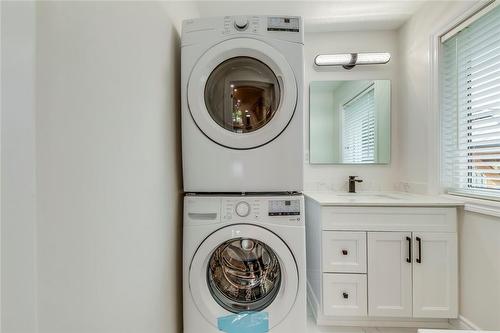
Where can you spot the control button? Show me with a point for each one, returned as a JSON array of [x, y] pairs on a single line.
[[241, 23], [242, 209]]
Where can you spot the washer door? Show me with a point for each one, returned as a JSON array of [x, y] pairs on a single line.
[[243, 268], [242, 93]]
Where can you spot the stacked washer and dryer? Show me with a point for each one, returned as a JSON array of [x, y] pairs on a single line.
[[242, 154]]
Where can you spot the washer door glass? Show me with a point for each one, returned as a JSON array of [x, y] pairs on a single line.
[[244, 275], [242, 94]]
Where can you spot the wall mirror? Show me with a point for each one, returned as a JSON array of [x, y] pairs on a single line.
[[350, 122]]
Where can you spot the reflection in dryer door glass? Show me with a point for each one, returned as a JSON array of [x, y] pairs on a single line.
[[244, 275], [242, 94]]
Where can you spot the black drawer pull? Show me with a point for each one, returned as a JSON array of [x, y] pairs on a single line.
[[345, 252], [409, 249], [345, 295], [419, 241]]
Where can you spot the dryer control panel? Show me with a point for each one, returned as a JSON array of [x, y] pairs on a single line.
[[201, 30]]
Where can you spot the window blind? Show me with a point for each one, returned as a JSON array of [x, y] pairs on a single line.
[[470, 107], [358, 130]]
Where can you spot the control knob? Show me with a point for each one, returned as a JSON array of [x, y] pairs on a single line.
[[242, 209], [241, 23]]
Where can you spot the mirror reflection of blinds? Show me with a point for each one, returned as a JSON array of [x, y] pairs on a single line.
[[470, 107], [358, 130]]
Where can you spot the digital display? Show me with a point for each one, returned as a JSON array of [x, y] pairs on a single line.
[[284, 207], [291, 24]]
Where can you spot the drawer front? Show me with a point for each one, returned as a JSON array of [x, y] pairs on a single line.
[[435, 219], [344, 252], [344, 295]]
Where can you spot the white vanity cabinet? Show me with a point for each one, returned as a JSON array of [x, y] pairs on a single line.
[[412, 274], [435, 280], [386, 264], [390, 273]]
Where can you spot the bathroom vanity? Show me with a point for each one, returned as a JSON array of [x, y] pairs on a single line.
[[382, 259]]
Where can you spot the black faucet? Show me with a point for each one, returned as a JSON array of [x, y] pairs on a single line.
[[352, 183]]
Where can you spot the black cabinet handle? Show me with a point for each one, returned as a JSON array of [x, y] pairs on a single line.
[[345, 252], [345, 295], [419, 259], [409, 249]]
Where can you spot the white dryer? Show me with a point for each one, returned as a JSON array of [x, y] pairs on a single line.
[[242, 104], [244, 253]]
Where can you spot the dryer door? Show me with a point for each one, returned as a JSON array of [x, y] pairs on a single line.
[[242, 93], [243, 267]]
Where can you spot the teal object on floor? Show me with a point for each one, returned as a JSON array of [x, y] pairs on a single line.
[[244, 322]]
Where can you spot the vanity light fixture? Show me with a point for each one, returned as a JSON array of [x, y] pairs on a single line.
[[349, 60]]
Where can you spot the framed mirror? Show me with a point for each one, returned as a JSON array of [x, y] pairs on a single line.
[[350, 122]]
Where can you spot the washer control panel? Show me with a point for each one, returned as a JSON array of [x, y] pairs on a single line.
[[283, 23], [242, 208], [263, 209], [280, 209], [284, 207]]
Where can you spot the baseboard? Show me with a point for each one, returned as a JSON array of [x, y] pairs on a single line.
[[462, 323], [385, 322]]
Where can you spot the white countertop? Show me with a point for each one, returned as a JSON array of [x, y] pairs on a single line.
[[402, 199]]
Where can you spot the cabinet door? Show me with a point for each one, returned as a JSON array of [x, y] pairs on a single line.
[[389, 274], [435, 275]]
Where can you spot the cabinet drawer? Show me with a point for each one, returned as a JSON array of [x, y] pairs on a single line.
[[344, 252], [344, 295]]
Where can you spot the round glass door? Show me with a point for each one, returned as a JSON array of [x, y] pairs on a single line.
[[240, 267], [244, 274], [242, 94]]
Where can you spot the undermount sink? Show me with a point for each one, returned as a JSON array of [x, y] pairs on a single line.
[[368, 196]]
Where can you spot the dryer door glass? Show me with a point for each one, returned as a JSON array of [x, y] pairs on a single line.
[[242, 94], [244, 275]]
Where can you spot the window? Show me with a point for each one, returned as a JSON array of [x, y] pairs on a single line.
[[470, 106], [358, 128]]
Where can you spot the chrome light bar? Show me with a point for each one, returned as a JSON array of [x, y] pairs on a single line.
[[349, 60]]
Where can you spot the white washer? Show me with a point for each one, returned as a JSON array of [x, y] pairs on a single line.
[[244, 253], [242, 104]]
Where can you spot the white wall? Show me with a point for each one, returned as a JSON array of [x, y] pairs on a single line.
[[480, 270], [479, 234], [417, 149], [376, 177], [18, 205], [108, 168]]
